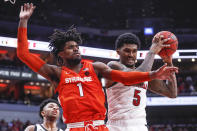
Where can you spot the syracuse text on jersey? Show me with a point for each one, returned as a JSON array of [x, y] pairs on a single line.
[[77, 79]]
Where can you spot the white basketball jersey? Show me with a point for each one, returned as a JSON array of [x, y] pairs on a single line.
[[127, 103], [39, 127]]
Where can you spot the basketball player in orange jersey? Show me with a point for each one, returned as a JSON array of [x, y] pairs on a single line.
[[79, 90], [127, 103], [49, 112]]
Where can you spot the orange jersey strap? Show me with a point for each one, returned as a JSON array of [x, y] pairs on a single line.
[[129, 78], [32, 61]]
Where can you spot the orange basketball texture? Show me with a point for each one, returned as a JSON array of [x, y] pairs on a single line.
[[173, 42]]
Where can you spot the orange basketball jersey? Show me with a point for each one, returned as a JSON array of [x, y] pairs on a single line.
[[81, 95]]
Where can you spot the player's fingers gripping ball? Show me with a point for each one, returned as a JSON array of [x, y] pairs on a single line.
[[172, 42]]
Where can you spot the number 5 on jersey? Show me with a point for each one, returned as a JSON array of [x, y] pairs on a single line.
[[136, 98], [80, 89]]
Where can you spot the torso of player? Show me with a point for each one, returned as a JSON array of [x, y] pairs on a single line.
[[81, 95], [127, 102], [39, 127]]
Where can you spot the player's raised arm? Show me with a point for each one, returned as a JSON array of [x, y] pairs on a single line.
[[134, 77], [168, 89], [157, 44], [31, 60]]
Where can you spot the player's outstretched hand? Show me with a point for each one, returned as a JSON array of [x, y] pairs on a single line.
[[157, 43], [26, 11], [164, 72]]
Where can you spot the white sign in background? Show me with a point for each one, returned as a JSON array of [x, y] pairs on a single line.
[[179, 101], [88, 51]]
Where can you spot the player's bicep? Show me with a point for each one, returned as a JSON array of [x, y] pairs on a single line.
[[113, 65], [50, 72], [102, 69], [158, 87]]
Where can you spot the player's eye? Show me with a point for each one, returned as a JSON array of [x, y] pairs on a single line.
[[134, 51], [127, 50]]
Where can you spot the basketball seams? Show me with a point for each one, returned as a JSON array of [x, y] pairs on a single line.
[[167, 48], [168, 51], [172, 42]]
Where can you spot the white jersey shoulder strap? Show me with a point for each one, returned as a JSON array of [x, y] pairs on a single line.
[[39, 127]]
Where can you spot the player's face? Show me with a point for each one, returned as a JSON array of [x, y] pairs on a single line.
[[128, 54], [71, 51], [51, 111]]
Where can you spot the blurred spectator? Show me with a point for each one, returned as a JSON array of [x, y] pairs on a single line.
[[14, 125], [168, 128], [174, 127], [3, 125], [181, 85], [190, 85]]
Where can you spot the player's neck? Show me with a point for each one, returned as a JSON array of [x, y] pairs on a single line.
[[132, 67], [50, 125], [75, 68]]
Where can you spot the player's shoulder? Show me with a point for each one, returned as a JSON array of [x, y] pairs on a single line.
[[98, 64], [30, 128], [115, 65]]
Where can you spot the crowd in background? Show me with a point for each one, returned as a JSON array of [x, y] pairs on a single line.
[[14, 125], [173, 127]]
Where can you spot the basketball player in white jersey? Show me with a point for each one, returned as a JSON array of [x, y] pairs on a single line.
[[126, 103], [49, 112]]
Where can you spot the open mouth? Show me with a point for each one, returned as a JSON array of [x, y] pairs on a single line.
[[76, 53], [130, 59], [54, 112]]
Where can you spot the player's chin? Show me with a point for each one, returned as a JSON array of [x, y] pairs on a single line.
[[130, 63], [55, 116], [77, 57]]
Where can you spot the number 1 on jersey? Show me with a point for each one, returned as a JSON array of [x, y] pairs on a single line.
[[80, 89]]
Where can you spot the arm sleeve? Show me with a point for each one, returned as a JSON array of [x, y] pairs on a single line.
[[32, 61], [129, 78]]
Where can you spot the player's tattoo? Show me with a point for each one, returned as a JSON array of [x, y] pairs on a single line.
[[168, 89], [147, 63]]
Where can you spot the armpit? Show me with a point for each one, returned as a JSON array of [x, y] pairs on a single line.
[[115, 65]]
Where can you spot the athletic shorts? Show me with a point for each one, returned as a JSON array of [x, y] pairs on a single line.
[[97, 125], [127, 125], [128, 128]]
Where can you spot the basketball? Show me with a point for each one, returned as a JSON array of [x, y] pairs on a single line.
[[173, 42]]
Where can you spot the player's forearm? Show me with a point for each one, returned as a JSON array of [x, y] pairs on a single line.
[[172, 86], [32, 61], [147, 63], [129, 78]]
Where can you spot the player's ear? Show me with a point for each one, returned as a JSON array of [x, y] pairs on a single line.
[[61, 54], [43, 113], [118, 51]]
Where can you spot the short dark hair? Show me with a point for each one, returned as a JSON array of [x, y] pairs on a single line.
[[59, 38], [45, 102], [127, 38]]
